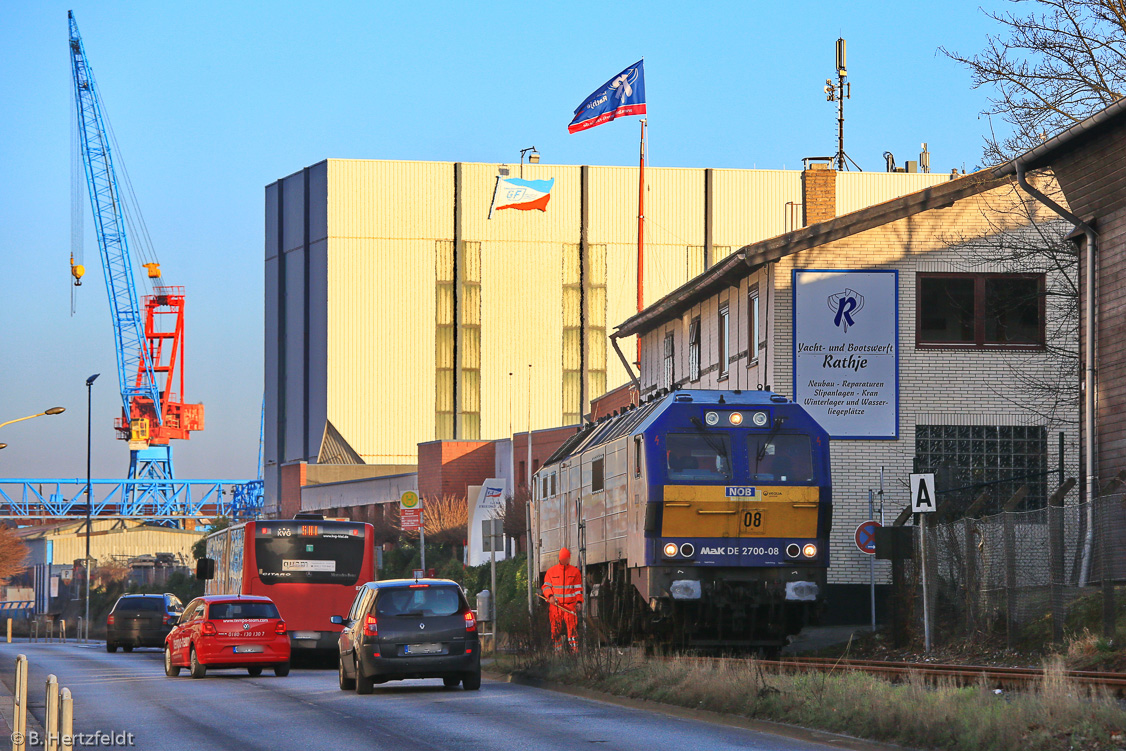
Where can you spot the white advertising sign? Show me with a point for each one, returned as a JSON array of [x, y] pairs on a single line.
[[486, 503], [846, 351]]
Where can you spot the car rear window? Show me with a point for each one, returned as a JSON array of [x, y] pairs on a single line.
[[419, 601], [233, 611], [140, 603]]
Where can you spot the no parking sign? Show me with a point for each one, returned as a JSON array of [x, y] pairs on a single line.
[[866, 537]]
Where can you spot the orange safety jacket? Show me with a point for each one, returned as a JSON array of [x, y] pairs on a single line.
[[565, 583]]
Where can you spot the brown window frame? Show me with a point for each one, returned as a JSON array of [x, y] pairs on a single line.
[[723, 339], [695, 349], [754, 348], [979, 342]]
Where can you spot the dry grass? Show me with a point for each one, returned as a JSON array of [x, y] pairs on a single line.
[[1053, 715]]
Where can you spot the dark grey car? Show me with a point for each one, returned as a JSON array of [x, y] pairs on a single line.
[[407, 628], [141, 621]]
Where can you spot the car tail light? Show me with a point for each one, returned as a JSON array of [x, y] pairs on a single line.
[[370, 627], [470, 621], [109, 621], [169, 619], [279, 628], [209, 629]]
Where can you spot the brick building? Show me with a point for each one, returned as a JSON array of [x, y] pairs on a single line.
[[960, 335]]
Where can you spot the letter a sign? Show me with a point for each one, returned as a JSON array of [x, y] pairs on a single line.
[[922, 494]]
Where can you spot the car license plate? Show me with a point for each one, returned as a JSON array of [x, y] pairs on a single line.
[[422, 649], [249, 648]]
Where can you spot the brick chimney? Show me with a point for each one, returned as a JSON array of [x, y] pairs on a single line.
[[819, 193]]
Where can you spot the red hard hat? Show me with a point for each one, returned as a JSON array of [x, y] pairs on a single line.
[[564, 555]]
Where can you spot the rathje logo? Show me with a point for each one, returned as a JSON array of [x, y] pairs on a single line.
[[844, 306]]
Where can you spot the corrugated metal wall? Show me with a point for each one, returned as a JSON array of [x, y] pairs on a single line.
[[384, 222], [855, 190], [752, 205]]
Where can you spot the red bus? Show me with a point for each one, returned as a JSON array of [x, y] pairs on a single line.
[[310, 568]]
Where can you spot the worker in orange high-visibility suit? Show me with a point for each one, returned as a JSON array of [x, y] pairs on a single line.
[[563, 589]]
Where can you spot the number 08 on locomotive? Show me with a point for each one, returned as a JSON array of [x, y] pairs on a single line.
[[701, 518]]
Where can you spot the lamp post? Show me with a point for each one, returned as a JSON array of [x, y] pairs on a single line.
[[89, 502], [51, 411], [533, 158]]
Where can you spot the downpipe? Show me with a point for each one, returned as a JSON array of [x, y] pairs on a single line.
[[1089, 370]]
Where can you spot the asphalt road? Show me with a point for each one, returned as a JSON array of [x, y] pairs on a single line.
[[129, 693]]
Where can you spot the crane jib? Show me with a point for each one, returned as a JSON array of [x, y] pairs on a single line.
[[136, 377]]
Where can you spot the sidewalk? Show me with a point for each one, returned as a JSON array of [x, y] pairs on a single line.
[[35, 700]]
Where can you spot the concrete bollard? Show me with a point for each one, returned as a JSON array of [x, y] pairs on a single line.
[[66, 721], [19, 706], [51, 714]]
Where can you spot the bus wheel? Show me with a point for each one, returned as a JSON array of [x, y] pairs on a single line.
[[364, 684], [281, 670], [198, 669], [346, 683]]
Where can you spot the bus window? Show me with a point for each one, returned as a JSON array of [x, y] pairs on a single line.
[[324, 557], [785, 458], [699, 457]]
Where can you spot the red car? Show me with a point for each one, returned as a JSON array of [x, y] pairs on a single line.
[[228, 631]]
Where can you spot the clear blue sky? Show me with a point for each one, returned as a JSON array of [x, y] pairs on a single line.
[[211, 101]]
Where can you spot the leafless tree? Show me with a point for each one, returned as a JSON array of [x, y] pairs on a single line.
[[13, 553], [1052, 64], [446, 520]]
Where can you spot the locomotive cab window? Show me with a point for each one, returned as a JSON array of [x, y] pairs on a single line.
[[699, 457], [782, 458]]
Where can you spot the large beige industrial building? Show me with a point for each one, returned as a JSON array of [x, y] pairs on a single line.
[[398, 311]]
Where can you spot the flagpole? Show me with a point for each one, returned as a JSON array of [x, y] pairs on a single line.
[[641, 237]]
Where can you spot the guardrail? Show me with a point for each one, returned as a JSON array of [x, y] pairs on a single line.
[[58, 723]]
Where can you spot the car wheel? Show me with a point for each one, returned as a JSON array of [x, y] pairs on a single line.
[[472, 681], [346, 683], [111, 647], [198, 669], [170, 670], [254, 671], [364, 684], [128, 647], [451, 681], [281, 670]]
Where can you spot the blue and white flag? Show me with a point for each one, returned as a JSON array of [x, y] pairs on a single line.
[[621, 96], [525, 195]]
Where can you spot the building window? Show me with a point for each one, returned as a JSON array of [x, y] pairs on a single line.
[[752, 325], [997, 460], [667, 375], [694, 350], [597, 480], [724, 339], [980, 310]]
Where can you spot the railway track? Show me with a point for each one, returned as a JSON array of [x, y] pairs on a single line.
[[996, 677]]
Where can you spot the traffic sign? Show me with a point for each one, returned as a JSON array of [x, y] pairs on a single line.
[[408, 500], [922, 494], [865, 537]]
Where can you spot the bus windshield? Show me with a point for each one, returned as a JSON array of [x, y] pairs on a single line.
[[291, 552], [782, 458], [699, 457]]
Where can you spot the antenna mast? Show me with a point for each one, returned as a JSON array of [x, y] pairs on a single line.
[[839, 92]]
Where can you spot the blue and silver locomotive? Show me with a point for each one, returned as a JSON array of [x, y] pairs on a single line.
[[701, 518]]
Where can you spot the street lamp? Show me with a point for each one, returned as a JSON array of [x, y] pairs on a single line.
[[51, 411], [533, 158], [89, 502]]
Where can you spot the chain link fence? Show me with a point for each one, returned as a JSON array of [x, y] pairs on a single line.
[[1018, 570]]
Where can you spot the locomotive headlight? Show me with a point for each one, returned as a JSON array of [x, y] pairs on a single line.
[[712, 418], [736, 418], [809, 550], [793, 550], [670, 550], [687, 549], [760, 419]]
